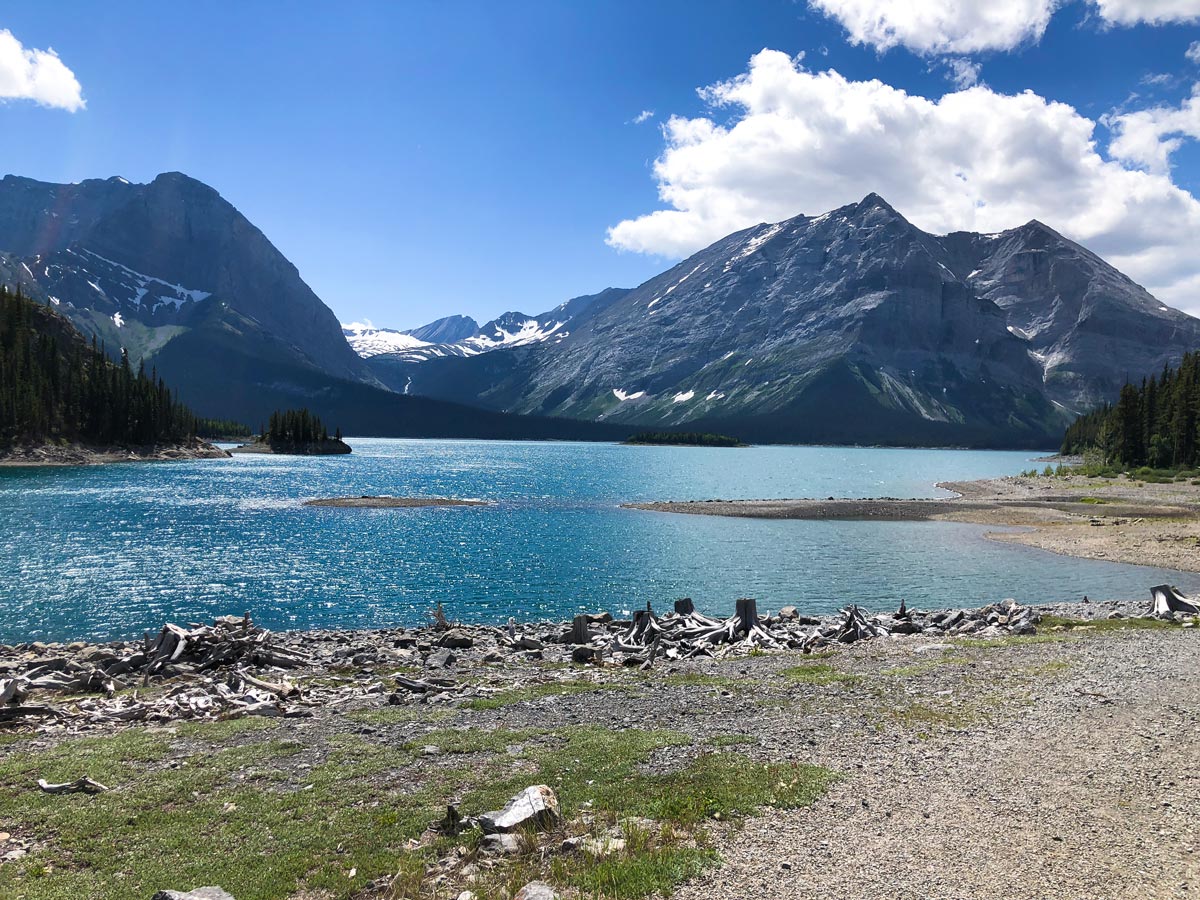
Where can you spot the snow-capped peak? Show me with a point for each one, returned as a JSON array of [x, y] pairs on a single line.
[[366, 340]]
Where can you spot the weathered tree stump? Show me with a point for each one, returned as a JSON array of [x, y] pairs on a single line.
[[746, 613], [579, 630], [685, 607]]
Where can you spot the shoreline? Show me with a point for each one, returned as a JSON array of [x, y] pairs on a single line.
[[53, 455], [1116, 520]]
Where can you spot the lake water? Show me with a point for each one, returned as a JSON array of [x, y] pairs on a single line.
[[106, 552]]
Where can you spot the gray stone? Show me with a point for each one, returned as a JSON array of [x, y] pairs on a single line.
[[789, 613], [535, 806], [202, 893], [441, 659], [501, 844], [537, 890], [456, 638]]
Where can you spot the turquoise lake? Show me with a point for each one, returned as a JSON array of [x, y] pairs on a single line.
[[106, 552]]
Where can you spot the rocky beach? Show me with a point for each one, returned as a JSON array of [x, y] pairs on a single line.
[[1002, 752]]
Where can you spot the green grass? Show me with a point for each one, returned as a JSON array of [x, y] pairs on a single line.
[[1096, 501], [816, 673], [220, 804], [947, 658], [1103, 626], [396, 715], [538, 691]]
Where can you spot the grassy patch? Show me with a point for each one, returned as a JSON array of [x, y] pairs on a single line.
[[1053, 667], [926, 719], [948, 658], [220, 804], [538, 691], [816, 673], [1102, 626], [1096, 501]]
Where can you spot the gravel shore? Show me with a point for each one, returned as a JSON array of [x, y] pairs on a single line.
[[1121, 520]]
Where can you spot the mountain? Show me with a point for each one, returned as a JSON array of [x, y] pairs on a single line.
[[448, 330], [851, 326], [140, 265], [174, 275], [512, 329]]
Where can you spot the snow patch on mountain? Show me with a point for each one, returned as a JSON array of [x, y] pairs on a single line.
[[366, 340]]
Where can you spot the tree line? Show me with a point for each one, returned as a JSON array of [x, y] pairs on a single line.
[[1156, 424], [295, 427], [54, 386]]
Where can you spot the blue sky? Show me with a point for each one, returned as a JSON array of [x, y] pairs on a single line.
[[421, 159]]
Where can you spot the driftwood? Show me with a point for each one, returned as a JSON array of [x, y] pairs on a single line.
[[1168, 600], [83, 785]]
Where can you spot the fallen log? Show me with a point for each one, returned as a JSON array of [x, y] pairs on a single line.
[[82, 785]]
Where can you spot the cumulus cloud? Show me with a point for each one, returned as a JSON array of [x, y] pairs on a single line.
[[783, 140], [1148, 137], [644, 116], [970, 26], [1193, 52], [1151, 12], [963, 72], [37, 75], [940, 26]]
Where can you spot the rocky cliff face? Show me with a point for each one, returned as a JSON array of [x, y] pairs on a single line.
[[139, 265], [849, 326]]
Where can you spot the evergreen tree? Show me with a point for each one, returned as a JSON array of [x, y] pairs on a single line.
[[1155, 425]]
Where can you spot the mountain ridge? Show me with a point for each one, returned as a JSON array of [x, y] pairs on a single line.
[[980, 339]]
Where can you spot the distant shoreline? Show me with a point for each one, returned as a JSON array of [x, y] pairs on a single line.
[[1116, 520], [47, 455]]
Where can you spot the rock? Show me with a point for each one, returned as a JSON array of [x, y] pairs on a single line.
[[535, 805], [536, 890], [466, 895], [789, 614], [501, 844], [203, 893], [583, 654], [457, 639], [440, 659], [528, 643], [600, 847]]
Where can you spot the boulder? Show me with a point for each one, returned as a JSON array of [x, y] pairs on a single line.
[[202, 893], [537, 890], [501, 844], [789, 614], [536, 806], [440, 659], [457, 639]]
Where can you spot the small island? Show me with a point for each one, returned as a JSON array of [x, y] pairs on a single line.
[[296, 432], [683, 439], [367, 502]]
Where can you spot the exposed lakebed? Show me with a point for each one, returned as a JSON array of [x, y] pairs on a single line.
[[105, 552]]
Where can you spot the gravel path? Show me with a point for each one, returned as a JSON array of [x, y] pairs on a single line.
[[1089, 789]]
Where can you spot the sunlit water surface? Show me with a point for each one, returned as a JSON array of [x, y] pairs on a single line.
[[106, 552]]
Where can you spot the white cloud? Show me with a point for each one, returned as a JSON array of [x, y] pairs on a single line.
[[37, 75], [963, 72], [644, 116], [940, 26], [1193, 52], [1152, 12], [1148, 137], [970, 26], [801, 141]]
